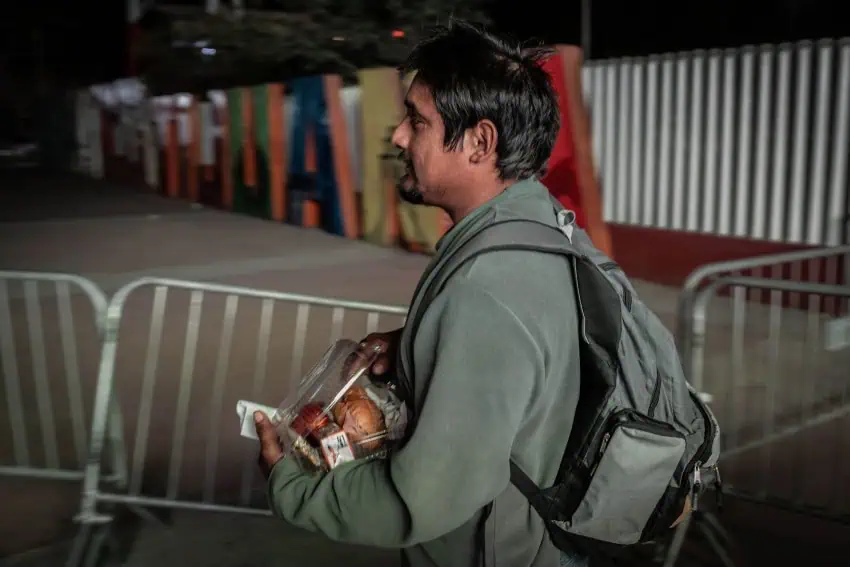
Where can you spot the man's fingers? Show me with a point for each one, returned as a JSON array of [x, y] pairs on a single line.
[[380, 345], [269, 441], [380, 365], [374, 345]]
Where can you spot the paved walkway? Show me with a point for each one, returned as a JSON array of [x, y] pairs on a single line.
[[114, 235]]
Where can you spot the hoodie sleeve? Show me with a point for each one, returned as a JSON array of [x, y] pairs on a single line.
[[456, 461]]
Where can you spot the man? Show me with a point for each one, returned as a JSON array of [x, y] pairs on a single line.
[[492, 363]]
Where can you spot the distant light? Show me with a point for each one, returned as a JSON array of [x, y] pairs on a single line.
[[338, 38], [398, 34], [208, 51]]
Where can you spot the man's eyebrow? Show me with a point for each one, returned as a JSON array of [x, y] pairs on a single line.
[[413, 112]]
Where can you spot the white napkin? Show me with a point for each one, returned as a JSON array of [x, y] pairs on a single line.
[[245, 410]]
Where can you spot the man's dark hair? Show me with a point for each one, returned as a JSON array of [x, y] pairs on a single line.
[[475, 75]]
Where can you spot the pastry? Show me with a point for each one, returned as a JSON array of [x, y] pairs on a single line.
[[360, 418], [309, 419], [356, 393]]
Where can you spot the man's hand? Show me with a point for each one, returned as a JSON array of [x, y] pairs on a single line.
[[386, 344], [271, 450]]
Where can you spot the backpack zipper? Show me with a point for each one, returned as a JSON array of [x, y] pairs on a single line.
[[656, 395], [697, 485], [632, 419], [709, 439], [719, 485], [701, 453]]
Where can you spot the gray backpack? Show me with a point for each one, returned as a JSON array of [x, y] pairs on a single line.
[[643, 445]]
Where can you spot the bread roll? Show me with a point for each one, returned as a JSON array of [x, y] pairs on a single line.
[[360, 418], [356, 393], [309, 419]]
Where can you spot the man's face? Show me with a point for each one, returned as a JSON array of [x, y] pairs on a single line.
[[430, 168]]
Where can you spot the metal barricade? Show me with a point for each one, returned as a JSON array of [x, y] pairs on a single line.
[[781, 388], [719, 351], [830, 264], [197, 363], [50, 332]]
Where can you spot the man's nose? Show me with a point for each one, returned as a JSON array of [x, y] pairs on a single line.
[[400, 137]]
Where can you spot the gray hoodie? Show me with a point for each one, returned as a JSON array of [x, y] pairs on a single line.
[[494, 370]]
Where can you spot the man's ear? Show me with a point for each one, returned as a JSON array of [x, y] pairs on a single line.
[[482, 139]]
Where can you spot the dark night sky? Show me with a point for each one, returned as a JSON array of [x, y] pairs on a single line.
[[641, 27], [88, 36], [83, 39]]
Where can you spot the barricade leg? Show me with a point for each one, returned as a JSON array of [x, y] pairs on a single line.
[[79, 546], [89, 546], [96, 528], [678, 541], [101, 548], [706, 525]]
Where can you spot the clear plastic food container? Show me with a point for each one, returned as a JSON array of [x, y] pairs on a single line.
[[338, 414]]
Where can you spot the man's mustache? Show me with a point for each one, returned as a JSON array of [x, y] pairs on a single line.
[[403, 158]]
